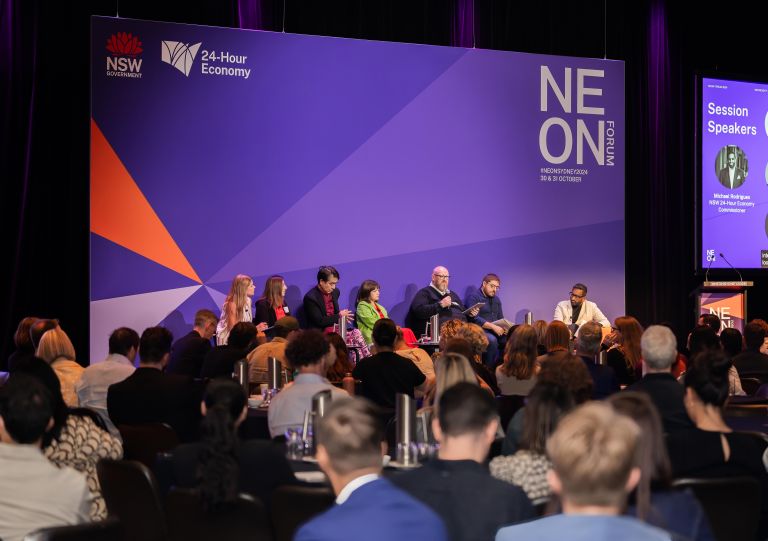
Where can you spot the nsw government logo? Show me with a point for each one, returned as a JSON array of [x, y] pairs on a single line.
[[179, 55], [125, 60]]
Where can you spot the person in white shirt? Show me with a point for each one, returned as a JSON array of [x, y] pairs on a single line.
[[93, 384], [576, 311], [34, 493]]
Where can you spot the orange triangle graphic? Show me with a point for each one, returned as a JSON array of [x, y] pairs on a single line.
[[121, 213]]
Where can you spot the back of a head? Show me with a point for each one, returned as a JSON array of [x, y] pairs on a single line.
[[711, 321], [557, 336], [703, 338], [306, 348], [732, 341], [285, 326], [450, 330], [593, 451], [541, 331], [204, 317], [520, 353], [43, 373], [21, 338], [707, 375], [590, 336], [754, 335], [460, 346], [219, 467], [55, 344], [122, 340], [39, 328], [451, 369], [154, 343], [545, 405], [351, 433], [659, 347], [465, 408], [570, 372], [25, 406], [384, 333], [242, 334], [652, 450], [476, 337]]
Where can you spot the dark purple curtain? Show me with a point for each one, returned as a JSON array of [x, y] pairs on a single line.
[[463, 28], [249, 14]]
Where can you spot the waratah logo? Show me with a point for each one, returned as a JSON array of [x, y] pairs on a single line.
[[124, 44], [179, 55]]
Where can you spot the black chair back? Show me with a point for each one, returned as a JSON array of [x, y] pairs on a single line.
[[187, 521], [106, 530], [731, 504], [131, 494], [292, 506], [143, 442]]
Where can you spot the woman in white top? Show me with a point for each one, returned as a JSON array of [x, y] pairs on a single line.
[[237, 307]]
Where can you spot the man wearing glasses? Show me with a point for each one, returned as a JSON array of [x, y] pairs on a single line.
[[436, 298], [578, 310], [490, 311]]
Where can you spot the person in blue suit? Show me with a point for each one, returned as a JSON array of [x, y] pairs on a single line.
[[349, 451]]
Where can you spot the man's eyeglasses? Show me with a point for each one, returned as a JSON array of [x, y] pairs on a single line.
[[442, 275], [572, 294], [493, 286]]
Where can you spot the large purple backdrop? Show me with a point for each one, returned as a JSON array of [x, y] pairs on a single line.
[[219, 151]]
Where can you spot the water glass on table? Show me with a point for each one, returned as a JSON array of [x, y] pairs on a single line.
[[294, 445]]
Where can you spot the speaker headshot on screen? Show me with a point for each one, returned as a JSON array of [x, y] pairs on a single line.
[[731, 167]]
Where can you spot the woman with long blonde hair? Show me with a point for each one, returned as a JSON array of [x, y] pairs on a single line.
[[237, 307]]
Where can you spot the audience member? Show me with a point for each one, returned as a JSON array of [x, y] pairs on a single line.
[[751, 361], [659, 350], [349, 451], [220, 464], [713, 449], [271, 307], [541, 332], [23, 342], [490, 312], [436, 299], [321, 303], [339, 363], [416, 355], [557, 340], [39, 328], [188, 352], [307, 352], [654, 500], [465, 427], [220, 361], [593, 453], [237, 309], [710, 320], [57, 350], [624, 351], [386, 373], [528, 466], [517, 376], [703, 338], [96, 379], [733, 342], [78, 438], [33, 492], [150, 396], [587, 347], [475, 337], [258, 358], [566, 371]]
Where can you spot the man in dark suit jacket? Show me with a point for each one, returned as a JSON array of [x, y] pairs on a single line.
[[739, 175], [321, 303], [750, 361], [349, 451], [436, 298], [188, 352], [150, 396], [659, 350], [457, 486], [587, 346]]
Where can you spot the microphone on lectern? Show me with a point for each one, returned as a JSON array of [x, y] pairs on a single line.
[[734, 268], [706, 274]]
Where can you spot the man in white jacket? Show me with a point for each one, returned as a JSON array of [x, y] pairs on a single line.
[[578, 310]]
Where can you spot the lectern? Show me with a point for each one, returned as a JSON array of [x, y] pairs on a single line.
[[727, 300]]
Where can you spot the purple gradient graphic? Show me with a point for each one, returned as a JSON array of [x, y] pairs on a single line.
[[739, 236], [383, 159]]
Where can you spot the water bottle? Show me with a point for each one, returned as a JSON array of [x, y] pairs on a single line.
[[348, 384]]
